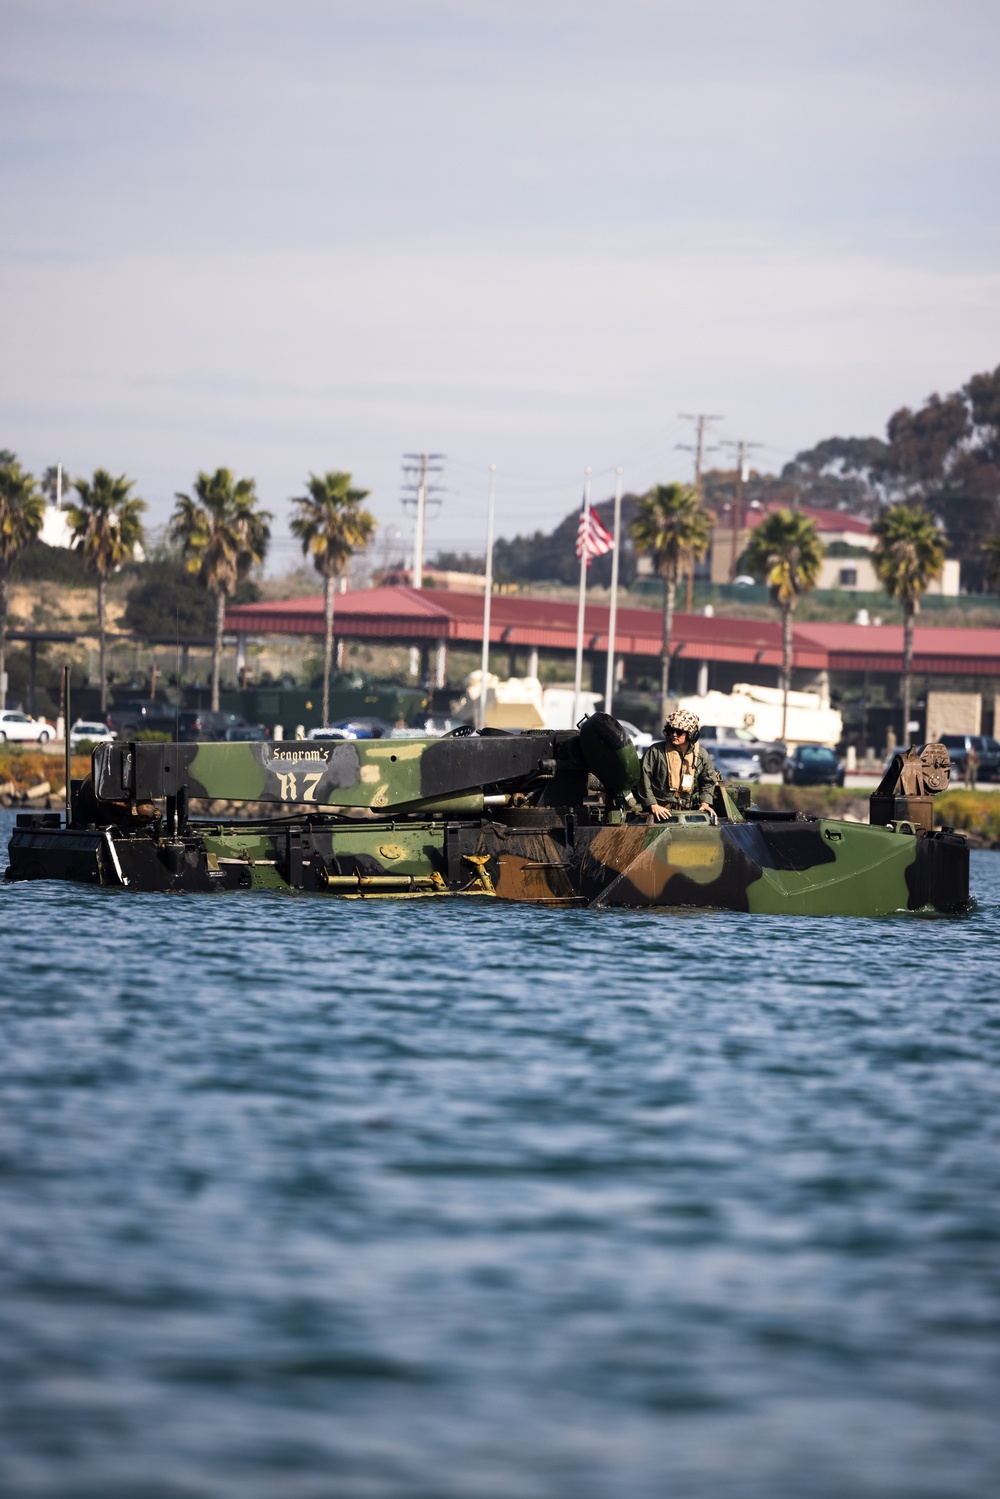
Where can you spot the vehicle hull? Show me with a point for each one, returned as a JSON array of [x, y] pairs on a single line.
[[803, 867]]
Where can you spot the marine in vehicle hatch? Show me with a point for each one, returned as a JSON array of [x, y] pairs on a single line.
[[678, 775]]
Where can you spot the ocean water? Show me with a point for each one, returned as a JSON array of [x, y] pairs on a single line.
[[301, 1198]]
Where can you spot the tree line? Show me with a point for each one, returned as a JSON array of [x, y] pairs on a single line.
[[932, 484], [673, 528], [220, 529], [944, 456]]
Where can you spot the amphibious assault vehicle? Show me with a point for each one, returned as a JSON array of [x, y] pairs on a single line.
[[543, 817]]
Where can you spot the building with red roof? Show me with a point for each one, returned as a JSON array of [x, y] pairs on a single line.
[[707, 650]]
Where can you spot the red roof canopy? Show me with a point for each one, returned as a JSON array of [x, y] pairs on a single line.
[[403, 615]]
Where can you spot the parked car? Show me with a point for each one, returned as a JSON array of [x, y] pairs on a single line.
[[772, 753], [244, 733], [735, 763], [988, 750], [15, 725], [813, 765], [329, 732], [436, 725], [141, 714], [89, 731], [206, 726], [364, 728]]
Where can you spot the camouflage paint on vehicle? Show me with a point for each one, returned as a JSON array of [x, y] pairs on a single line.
[[545, 818], [821, 867], [379, 775]]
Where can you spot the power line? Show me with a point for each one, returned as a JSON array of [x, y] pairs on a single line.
[[416, 468], [741, 447], [701, 421]]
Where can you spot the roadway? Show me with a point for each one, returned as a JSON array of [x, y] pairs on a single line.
[[866, 781]]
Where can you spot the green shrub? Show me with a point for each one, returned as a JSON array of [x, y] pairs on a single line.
[[975, 812], [40, 563]]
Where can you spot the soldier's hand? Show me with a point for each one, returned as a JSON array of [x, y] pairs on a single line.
[[710, 810], [660, 814]]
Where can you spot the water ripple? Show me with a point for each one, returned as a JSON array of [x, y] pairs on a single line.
[[301, 1198]]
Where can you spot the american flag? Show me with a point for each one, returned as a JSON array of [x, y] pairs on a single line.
[[592, 538]]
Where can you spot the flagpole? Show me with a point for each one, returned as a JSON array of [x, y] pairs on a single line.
[[584, 559], [487, 599], [609, 685]]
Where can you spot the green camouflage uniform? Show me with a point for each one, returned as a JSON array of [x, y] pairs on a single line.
[[654, 779]]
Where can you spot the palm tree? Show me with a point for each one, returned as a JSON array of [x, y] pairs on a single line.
[[22, 510], [222, 536], [331, 526], [672, 528], [786, 553], [992, 549], [908, 555], [107, 527]]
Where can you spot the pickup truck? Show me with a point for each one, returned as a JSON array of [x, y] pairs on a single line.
[[142, 713], [771, 753], [988, 750], [196, 725]]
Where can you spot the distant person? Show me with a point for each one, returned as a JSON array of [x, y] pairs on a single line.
[[676, 775], [971, 768]]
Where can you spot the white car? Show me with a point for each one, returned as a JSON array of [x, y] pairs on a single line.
[[329, 733], [15, 725], [90, 730]]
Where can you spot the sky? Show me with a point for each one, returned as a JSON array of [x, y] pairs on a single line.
[[324, 234]]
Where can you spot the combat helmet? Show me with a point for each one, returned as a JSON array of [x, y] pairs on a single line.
[[686, 721]]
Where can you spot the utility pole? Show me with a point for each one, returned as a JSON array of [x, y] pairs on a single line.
[[417, 468], [742, 474], [701, 420]]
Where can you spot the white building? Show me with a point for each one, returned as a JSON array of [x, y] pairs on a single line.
[[847, 540]]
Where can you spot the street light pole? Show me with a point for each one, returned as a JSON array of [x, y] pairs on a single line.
[[487, 598], [609, 684]]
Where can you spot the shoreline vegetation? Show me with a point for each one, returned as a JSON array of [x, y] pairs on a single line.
[[975, 813], [33, 778]]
